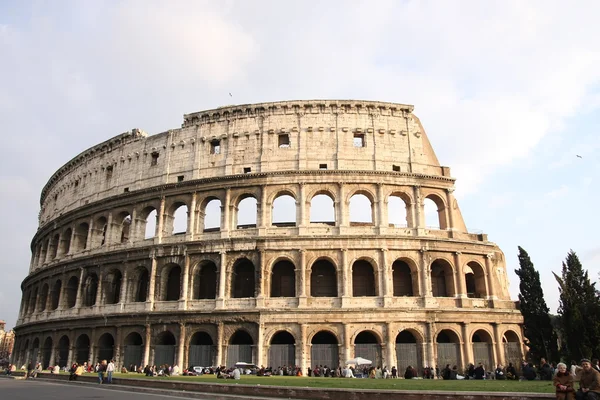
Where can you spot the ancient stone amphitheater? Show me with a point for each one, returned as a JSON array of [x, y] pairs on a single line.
[[287, 233]]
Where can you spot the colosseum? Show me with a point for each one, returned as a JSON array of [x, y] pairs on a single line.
[[285, 233]]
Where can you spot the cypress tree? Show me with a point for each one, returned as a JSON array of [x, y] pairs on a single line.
[[540, 336], [579, 310]]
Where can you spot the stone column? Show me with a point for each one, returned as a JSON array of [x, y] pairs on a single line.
[[347, 344], [430, 341], [390, 345], [108, 235], [192, 219], [70, 355], [381, 201], [419, 222], [425, 276], [181, 346], [133, 228], [260, 287], [499, 346], [147, 341], [259, 345], [73, 238], [80, 287], [151, 285], [92, 355], [387, 286], [449, 208], [262, 217], [90, 235], [345, 287], [222, 280], [342, 209], [99, 291], [490, 281], [160, 221], [220, 340], [301, 205], [117, 352], [123, 294], [302, 302], [226, 216], [460, 276], [52, 351], [185, 283], [301, 353], [467, 349]]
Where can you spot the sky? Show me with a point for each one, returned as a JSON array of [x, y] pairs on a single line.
[[508, 93]]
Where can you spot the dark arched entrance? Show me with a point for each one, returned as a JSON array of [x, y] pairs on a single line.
[[106, 347], [283, 280], [133, 351], [202, 350], [82, 349], [482, 349], [173, 284], [408, 351], [367, 346], [240, 348], [205, 282], [63, 351], [46, 352], [243, 279], [363, 279], [448, 348], [164, 351], [324, 350], [323, 279], [282, 350]]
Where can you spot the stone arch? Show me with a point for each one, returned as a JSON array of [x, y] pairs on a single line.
[[47, 352], [246, 212], [90, 289], [140, 282], [359, 201], [282, 349], [437, 220], [239, 348], [399, 209], [409, 350], [475, 282], [367, 344], [513, 350], [405, 276], [65, 242], [54, 243], [322, 208], [43, 297], [63, 351], [164, 349], [133, 349], [482, 341], [447, 347], [171, 278], [123, 227], [283, 279], [33, 300], [243, 279], [55, 295], [106, 347], [148, 221], [283, 209], [44, 251], [205, 280], [364, 279], [211, 214], [112, 286], [201, 349], [82, 349], [324, 349], [100, 231], [323, 279], [81, 237], [35, 350], [442, 278], [177, 217], [71, 291]]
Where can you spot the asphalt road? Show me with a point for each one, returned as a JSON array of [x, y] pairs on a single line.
[[37, 390]]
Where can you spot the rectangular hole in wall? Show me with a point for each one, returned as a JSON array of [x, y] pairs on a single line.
[[322, 166], [396, 168], [359, 140], [247, 170], [284, 140], [180, 178], [215, 147], [126, 190]]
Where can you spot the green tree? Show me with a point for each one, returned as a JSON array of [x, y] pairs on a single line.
[[579, 310], [540, 336]]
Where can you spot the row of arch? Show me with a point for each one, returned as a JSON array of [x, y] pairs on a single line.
[[172, 217], [281, 349], [245, 280]]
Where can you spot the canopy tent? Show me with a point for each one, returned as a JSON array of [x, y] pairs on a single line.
[[359, 361]]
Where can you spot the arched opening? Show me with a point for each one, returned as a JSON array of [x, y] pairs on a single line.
[[100, 228], [361, 210], [202, 350], [283, 280], [282, 350], [132, 356], [65, 243], [173, 287], [24, 353], [475, 280], [54, 246], [243, 279], [205, 281], [403, 279], [44, 252], [81, 236], [91, 290], [106, 347], [180, 220], [114, 280], [164, 351], [323, 279], [367, 346], [56, 289], [482, 348], [141, 286], [124, 227], [43, 297], [35, 349], [435, 212], [151, 220], [63, 351], [33, 300], [284, 211], [324, 350], [322, 210], [246, 213], [408, 351], [240, 348], [448, 348], [71, 291], [46, 352], [397, 212], [212, 216], [363, 279], [512, 348], [442, 279], [82, 349]]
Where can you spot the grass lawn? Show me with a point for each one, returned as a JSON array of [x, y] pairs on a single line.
[[393, 384]]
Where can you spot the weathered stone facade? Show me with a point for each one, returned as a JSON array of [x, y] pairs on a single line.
[[108, 278]]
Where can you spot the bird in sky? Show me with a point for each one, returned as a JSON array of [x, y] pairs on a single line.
[[578, 156], [230, 94]]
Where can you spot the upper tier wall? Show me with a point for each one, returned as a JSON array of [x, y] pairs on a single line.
[[295, 135]]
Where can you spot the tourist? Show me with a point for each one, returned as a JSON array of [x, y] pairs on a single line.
[[499, 373], [72, 372], [110, 368], [55, 369], [529, 372], [511, 372], [479, 372], [100, 369], [446, 372], [409, 373], [236, 374], [563, 382], [596, 364], [394, 372], [545, 370], [589, 382], [29, 370]]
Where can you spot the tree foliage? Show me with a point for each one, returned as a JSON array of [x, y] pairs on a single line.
[[539, 333], [579, 311]]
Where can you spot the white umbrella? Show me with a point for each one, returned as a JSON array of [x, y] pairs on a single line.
[[359, 361]]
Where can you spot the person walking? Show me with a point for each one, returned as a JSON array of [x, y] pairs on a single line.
[[110, 368], [100, 369]]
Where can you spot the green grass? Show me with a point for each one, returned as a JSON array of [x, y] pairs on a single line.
[[385, 384]]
